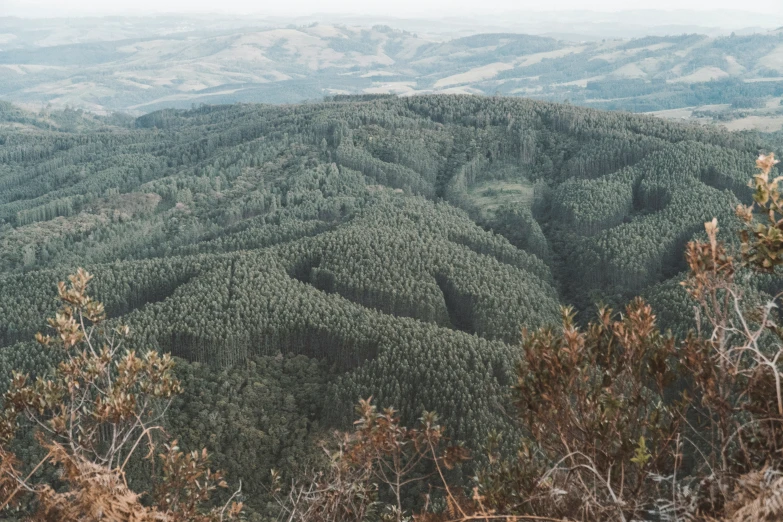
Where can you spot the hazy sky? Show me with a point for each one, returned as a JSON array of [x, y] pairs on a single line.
[[373, 7]]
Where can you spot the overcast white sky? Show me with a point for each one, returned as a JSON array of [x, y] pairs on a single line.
[[357, 7]]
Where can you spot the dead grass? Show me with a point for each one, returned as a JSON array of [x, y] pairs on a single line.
[[760, 123]]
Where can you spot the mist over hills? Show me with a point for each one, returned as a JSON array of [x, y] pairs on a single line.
[[136, 65]]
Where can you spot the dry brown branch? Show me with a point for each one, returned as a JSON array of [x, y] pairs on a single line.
[[93, 413]]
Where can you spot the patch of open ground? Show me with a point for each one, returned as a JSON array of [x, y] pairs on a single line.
[[630, 70], [705, 74], [756, 80], [488, 196], [774, 103], [474, 75], [392, 88], [531, 59], [674, 114], [773, 60], [760, 123], [625, 53]]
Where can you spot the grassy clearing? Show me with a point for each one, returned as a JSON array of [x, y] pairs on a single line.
[[760, 123], [488, 196]]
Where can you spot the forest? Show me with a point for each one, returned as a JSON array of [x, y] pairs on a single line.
[[296, 259]]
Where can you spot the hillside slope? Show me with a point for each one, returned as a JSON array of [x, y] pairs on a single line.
[[140, 67], [399, 242]]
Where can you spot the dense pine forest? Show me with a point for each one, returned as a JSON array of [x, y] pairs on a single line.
[[295, 259]]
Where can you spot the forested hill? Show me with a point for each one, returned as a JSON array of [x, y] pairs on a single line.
[[383, 246]]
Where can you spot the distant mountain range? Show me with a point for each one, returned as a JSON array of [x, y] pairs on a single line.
[[137, 65]]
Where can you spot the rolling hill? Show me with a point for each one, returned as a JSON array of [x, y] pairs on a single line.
[[136, 67], [318, 253]]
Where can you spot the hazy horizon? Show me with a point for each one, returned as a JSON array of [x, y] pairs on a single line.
[[402, 8], [143, 60]]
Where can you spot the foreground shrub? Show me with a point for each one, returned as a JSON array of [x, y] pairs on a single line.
[[99, 410]]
